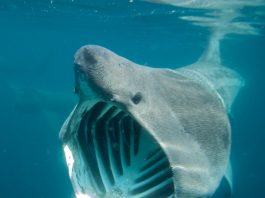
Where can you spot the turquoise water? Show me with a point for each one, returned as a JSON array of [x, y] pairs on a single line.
[[38, 39]]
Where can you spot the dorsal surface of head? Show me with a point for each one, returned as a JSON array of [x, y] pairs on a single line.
[[111, 77]]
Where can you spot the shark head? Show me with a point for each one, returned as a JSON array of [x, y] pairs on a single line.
[[116, 153], [108, 76]]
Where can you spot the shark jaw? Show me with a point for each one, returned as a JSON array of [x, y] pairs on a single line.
[[110, 155]]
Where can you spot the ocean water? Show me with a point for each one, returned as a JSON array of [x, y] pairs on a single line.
[[38, 39]]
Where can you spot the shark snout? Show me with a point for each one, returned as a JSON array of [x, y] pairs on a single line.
[[94, 69], [91, 55], [106, 74]]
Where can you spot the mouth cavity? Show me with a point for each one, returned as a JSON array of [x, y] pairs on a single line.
[[122, 158]]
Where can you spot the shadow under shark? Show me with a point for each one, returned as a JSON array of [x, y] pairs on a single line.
[[146, 132]]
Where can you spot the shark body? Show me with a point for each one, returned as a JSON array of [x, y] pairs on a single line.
[[142, 132]]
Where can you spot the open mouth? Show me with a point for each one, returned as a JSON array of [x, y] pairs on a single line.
[[121, 158]]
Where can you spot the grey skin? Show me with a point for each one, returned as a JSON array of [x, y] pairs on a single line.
[[183, 110]]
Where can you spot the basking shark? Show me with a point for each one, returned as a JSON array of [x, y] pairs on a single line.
[[145, 132]]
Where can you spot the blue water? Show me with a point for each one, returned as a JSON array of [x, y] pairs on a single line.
[[38, 39]]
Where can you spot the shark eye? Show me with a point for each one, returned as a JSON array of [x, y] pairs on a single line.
[[137, 98]]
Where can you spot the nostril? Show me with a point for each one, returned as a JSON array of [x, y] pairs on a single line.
[[137, 98]]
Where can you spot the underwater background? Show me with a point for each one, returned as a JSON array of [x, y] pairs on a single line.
[[38, 39]]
